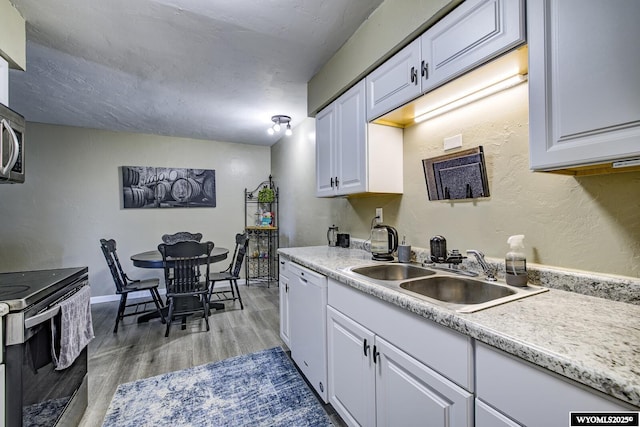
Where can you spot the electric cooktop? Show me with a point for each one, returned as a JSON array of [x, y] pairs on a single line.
[[22, 289]]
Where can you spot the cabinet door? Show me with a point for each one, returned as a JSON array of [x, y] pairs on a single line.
[[584, 96], [351, 374], [325, 151], [502, 380], [395, 82], [486, 416], [409, 393], [472, 34], [284, 309], [351, 142]]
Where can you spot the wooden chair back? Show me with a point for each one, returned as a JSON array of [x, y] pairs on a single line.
[[242, 242], [111, 256], [181, 236], [185, 265]]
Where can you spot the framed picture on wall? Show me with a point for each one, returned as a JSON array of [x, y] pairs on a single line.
[[161, 187]]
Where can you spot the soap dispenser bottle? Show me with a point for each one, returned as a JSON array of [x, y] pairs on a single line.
[[515, 262]]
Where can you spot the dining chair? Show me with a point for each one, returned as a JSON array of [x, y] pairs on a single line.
[[125, 285], [181, 236], [231, 274], [187, 286]]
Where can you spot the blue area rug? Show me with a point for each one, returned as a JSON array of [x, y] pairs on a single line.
[[258, 389]]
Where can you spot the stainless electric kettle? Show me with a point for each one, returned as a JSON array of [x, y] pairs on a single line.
[[384, 242]]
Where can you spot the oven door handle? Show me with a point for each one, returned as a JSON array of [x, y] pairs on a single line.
[[41, 317]]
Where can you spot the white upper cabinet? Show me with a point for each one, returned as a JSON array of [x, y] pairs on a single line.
[[475, 32], [472, 34], [584, 91], [351, 142], [395, 82], [352, 156], [325, 141]]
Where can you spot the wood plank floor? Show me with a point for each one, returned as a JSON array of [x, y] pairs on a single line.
[[140, 350]]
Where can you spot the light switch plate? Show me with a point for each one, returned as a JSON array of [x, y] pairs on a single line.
[[453, 142]]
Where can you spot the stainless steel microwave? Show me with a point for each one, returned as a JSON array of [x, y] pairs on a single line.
[[11, 146]]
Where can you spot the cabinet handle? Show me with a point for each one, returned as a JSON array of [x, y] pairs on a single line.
[[365, 347], [337, 182], [286, 288], [331, 182], [414, 75], [425, 70], [376, 354]]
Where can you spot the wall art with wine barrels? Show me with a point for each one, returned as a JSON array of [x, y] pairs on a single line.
[[152, 187]]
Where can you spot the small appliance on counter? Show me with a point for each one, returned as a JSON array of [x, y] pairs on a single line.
[[344, 240], [438, 247], [384, 242], [332, 236]]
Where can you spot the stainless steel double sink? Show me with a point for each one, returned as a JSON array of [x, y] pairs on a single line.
[[461, 294]]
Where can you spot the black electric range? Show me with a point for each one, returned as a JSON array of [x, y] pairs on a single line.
[[22, 289], [41, 394]]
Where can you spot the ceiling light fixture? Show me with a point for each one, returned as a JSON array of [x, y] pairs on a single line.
[[468, 98], [278, 121]]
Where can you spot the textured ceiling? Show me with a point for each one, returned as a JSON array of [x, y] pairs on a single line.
[[205, 69]]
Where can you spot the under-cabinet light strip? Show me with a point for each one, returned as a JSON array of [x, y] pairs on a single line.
[[473, 96]]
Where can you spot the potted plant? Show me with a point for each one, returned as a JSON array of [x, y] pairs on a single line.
[[266, 195]]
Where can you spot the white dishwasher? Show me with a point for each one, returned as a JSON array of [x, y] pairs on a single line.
[[308, 325]]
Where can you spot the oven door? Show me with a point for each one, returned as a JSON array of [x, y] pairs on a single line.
[[39, 395]]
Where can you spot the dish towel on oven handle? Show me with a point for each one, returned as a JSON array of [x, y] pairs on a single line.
[[75, 328]]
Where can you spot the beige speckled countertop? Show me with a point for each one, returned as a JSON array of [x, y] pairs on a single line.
[[591, 340]]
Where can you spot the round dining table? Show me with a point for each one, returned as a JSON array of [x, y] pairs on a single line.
[[153, 259]]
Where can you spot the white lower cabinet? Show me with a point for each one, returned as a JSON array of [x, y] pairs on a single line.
[[486, 416], [409, 393], [374, 382], [283, 283], [512, 392], [351, 369]]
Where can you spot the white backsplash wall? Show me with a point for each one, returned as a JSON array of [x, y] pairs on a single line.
[[587, 223], [71, 198]]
